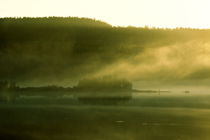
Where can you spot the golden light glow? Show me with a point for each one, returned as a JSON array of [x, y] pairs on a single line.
[[154, 13]]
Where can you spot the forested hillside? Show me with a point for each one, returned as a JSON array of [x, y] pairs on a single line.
[[59, 50]]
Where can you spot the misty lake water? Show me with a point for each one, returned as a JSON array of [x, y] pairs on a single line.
[[147, 116]]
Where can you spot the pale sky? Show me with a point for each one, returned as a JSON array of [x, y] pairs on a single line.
[[153, 13]]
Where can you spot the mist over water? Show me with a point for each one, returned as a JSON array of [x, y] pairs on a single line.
[[78, 78], [146, 116]]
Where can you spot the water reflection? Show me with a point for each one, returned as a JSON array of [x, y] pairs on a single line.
[[146, 116]]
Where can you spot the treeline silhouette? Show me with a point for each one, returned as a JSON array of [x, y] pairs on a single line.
[[98, 86], [54, 48], [104, 84]]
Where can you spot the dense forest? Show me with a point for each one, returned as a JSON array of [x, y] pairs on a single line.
[[58, 50]]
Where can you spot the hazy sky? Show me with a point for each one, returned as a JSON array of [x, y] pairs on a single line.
[[158, 13]]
